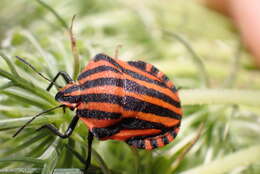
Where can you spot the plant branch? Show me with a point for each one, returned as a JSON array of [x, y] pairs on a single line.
[[243, 157], [220, 96]]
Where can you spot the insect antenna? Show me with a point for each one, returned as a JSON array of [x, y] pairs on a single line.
[[34, 69], [34, 117]]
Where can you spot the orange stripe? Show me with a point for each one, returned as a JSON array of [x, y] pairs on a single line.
[[111, 74], [159, 141], [93, 65], [119, 92], [126, 134], [106, 107], [106, 74], [177, 130], [166, 121], [160, 74], [91, 122], [148, 67], [169, 84], [169, 137], [147, 144]]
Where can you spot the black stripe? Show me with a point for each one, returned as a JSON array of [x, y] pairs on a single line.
[[134, 123], [143, 78], [173, 133], [97, 70], [138, 64], [165, 78], [102, 115], [71, 99], [102, 82], [136, 143], [154, 70], [130, 86], [126, 124], [165, 140], [129, 72], [71, 89], [105, 131], [174, 89], [153, 143], [101, 56], [131, 103]]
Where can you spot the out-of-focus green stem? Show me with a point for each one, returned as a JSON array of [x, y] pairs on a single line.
[[10, 64], [241, 158], [38, 171], [50, 156], [220, 96], [196, 59], [62, 22], [22, 159], [17, 122]]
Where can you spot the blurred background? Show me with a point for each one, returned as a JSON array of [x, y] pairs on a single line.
[[196, 47]]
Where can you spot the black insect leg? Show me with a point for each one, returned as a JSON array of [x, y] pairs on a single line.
[[90, 140], [65, 76], [67, 133]]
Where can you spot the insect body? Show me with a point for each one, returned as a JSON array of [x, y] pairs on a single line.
[[128, 101]]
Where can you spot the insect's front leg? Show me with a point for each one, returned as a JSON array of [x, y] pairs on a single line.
[[65, 76], [67, 133]]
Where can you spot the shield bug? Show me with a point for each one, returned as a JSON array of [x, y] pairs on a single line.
[[129, 101]]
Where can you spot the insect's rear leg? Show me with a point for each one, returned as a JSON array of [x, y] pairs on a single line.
[[67, 133], [90, 140], [65, 76]]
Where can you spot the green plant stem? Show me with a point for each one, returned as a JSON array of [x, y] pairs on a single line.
[[243, 157], [220, 96]]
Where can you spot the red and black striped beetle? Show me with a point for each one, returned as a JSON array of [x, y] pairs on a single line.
[[128, 101]]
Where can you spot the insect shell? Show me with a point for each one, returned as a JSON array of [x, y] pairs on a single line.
[[128, 101]]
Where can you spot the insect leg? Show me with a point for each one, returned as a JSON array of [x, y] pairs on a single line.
[[65, 76], [67, 133], [90, 140]]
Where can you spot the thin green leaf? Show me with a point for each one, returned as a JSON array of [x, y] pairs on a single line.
[[6, 85], [59, 18], [226, 164], [30, 100], [18, 81], [9, 63], [22, 159], [197, 60], [50, 156]]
